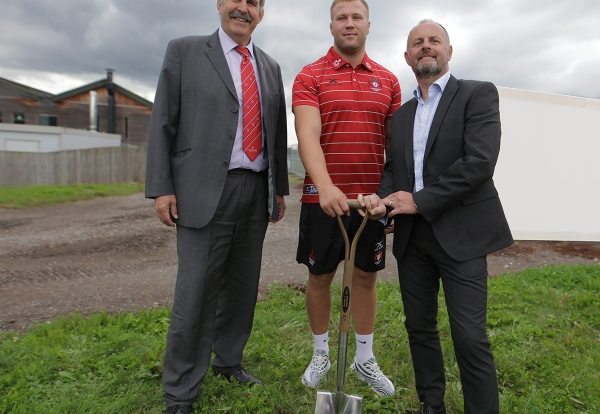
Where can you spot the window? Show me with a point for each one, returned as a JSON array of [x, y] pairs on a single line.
[[18, 118], [49, 120]]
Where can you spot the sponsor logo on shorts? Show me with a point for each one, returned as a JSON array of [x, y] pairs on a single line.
[[378, 256], [311, 258], [310, 189]]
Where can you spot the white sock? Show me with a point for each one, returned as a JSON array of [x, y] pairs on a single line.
[[321, 342], [364, 348]]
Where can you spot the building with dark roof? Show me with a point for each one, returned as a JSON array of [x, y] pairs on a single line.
[[118, 110]]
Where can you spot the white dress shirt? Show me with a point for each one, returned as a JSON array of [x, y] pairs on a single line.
[[423, 120]]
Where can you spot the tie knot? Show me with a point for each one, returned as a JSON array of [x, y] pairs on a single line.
[[242, 51]]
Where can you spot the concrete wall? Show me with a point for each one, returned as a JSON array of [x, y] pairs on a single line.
[[548, 173], [92, 166], [36, 138]]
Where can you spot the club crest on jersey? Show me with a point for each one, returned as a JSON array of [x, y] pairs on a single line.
[[337, 62], [310, 189], [375, 84]]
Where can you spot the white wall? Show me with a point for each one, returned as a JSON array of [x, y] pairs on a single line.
[[548, 173], [36, 138]]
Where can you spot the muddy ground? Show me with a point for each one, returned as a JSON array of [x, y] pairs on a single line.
[[112, 254]]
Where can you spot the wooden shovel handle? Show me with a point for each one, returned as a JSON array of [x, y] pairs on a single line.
[[350, 251]]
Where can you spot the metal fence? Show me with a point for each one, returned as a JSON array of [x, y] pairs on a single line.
[[91, 166], [295, 165]]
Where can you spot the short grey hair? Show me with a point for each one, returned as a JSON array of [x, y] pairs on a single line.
[[429, 21], [261, 5]]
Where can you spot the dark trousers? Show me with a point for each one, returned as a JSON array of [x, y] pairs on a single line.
[[420, 270], [216, 288]]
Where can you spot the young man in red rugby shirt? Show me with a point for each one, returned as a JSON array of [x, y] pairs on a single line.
[[343, 104]]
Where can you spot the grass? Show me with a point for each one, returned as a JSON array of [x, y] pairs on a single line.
[[544, 325], [295, 179], [46, 195]]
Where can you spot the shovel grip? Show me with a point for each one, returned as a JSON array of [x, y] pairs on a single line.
[[354, 204]]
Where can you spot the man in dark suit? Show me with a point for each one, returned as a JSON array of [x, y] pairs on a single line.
[[438, 186], [217, 168]]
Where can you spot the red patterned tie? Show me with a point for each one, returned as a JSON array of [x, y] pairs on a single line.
[[252, 118]]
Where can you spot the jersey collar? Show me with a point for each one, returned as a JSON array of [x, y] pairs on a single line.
[[337, 62]]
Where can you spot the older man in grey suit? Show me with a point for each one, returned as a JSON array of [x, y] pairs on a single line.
[[216, 168]]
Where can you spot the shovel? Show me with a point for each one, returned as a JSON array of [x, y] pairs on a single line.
[[338, 402]]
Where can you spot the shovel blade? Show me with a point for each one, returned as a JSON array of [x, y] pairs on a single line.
[[338, 403]]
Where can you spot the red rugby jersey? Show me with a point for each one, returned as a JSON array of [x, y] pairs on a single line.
[[354, 105]]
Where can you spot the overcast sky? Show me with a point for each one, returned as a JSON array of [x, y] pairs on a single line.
[[56, 45]]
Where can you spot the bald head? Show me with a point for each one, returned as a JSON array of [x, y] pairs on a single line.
[[428, 21]]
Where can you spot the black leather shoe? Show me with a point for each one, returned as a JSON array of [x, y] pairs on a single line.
[[428, 409], [240, 375], [179, 409]]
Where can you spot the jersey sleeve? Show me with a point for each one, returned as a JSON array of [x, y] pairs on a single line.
[[396, 97], [304, 90]]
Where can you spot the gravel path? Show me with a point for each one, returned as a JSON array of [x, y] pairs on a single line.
[[113, 254]]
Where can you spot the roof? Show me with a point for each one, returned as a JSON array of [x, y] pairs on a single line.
[[23, 90], [32, 93], [99, 84]]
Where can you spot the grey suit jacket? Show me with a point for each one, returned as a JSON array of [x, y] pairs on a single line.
[[459, 198], [193, 125]]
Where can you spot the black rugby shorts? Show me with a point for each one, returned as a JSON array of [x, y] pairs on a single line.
[[321, 243]]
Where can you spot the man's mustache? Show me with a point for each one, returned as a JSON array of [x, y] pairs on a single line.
[[239, 15]]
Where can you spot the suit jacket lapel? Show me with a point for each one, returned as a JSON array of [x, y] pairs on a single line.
[[263, 77], [409, 128], [217, 58], [440, 113], [262, 73]]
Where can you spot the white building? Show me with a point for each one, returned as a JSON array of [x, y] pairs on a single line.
[[548, 173], [36, 138]]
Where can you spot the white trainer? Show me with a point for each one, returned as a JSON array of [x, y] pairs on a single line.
[[370, 373], [318, 367]]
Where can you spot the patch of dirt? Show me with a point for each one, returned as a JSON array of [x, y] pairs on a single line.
[[112, 254]]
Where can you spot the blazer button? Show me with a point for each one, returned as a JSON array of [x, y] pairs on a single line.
[[226, 163], [231, 136], [234, 110]]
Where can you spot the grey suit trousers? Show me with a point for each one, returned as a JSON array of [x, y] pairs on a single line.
[[216, 288]]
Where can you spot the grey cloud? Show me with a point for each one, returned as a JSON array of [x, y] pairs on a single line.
[[534, 45]]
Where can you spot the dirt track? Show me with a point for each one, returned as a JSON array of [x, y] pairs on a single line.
[[113, 254]]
